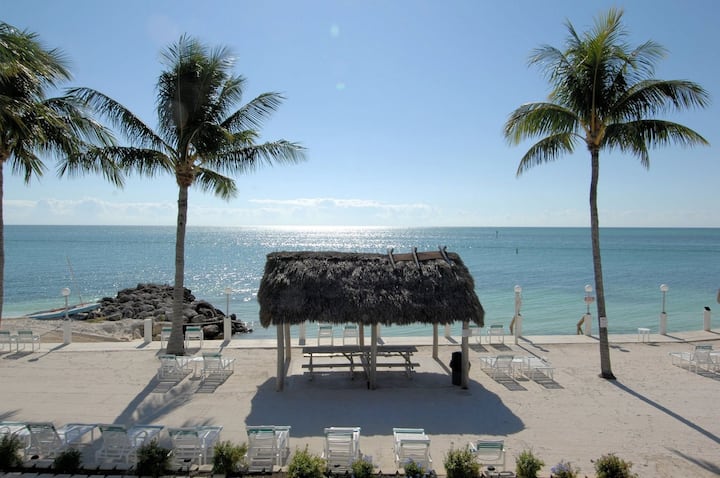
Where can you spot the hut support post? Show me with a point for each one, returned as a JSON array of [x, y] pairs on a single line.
[[280, 378], [373, 356], [288, 345], [465, 346], [361, 334], [435, 340]]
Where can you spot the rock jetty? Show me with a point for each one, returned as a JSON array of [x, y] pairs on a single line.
[[155, 301]]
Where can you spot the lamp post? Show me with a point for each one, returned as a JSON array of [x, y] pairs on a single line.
[[517, 318], [663, 316], [587, 318], [227, 324], [67, 331]]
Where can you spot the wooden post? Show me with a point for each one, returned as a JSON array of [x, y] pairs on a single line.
[[361, 334], [373, 356], [435, 340], [288, 345], [465, 347], [280, 378]]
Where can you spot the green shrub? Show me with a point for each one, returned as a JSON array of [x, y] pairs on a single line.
[[152, 460], [68, 462], [306, 465], [527, 465], [227, 457], [413, 469], [362, 468], [564, 469], [10, 446], [610, 466], [461, 463]]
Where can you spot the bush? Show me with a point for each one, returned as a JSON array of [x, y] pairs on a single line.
[[68, 462], [362, 468], [527, 465], [564, 470], [610, 466], [461, 463], [412, 469], [152, 460], [227, 457], [10, 446], [306, 465]]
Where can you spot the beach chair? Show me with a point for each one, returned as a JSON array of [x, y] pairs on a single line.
[[193, 445], [46, 441], [165, 336], [534, 366], [6, 340], [342, 448], [350, 334], [412, 445], [498, 365], [16, 429], [495, 330], [193, 332], [120, 444], [173, 367], [216, 367], [489, 452], [267, 446], [702, 356], [26, 337], [325, 331]]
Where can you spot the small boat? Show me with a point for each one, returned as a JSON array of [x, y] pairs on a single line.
[[60, 313]]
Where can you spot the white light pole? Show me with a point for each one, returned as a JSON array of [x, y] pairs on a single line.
[[587, 318], [663, 316], [227, 324], [67, 331], [517, 319]]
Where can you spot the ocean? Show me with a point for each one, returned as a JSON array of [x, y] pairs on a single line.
[[552, 265]]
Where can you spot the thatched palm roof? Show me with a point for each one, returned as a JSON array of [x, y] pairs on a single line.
[[337, 287]]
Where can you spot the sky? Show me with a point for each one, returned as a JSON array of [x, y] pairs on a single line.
[[401, 106]]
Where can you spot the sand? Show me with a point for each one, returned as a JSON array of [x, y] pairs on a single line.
[[663, 418]]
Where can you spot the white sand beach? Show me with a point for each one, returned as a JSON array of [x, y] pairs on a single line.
[[660, 416]]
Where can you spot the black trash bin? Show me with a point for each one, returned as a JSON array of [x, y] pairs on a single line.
[[456, 367]]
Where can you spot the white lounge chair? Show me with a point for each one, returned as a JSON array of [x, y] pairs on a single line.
[[6, 339], [46, 441], [120, 444], [16, 429], [342, 448], [173, 367], [412, 444], [26, 337], [702, 356], [217, 367], [193, 332], [268, 446], [325, 331], [489, 452], [165, 336], [350, 334], [193, 445], [498, 365], [495, 330]]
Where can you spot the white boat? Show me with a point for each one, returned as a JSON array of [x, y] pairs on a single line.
[[60, 313]]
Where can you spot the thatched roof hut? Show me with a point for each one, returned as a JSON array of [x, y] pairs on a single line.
[[389, 289], [366, 289]]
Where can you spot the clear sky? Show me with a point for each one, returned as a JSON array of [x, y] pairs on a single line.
[[400, 104]]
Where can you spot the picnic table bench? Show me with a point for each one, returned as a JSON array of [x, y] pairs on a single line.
[[357, 355]]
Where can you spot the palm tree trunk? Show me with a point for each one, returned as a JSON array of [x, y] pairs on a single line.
[[605, 369], [2, 239], [176, 341]]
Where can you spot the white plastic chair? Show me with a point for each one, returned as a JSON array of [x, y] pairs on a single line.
[[164, 336], [412, 444], [6, 339], [350, 334], [25, 337], [217, 367], [268, 446], [489, 452], [46, 441], [193, 332], [326, 331], [342, 448], [120, 444], [193, 445], [173, 367]]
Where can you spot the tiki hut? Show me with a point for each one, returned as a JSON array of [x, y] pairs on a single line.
[[366, 289]]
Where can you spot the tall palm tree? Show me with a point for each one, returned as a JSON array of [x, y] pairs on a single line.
[[605, 97], [32, 125], [200, 140]]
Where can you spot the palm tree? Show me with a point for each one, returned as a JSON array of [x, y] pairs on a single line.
[[32, 125], [200, 138], [605, 97]]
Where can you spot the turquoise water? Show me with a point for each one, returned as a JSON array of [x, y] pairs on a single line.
[[552, 265]]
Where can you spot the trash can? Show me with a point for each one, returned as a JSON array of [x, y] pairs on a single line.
[[456, 367]]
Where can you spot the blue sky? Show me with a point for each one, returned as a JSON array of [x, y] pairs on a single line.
[[400, 104]]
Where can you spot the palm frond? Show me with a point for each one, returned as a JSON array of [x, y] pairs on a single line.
[[635, 136], [538, 119], [254, 113], [245, 158], [651, 97], [546, 150], [211, 181]]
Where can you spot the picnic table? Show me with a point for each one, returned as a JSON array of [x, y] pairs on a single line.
[[387, 357]]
